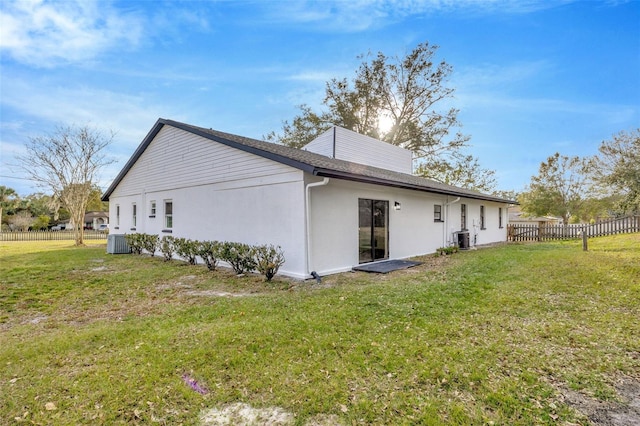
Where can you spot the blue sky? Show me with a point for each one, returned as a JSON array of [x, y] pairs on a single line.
[[530, 77]]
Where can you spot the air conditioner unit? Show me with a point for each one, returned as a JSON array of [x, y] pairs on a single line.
[[116, 244]]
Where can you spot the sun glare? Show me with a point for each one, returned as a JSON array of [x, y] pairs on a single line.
[[385, 123]]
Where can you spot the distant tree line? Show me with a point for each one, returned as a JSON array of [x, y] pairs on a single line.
[[581, 190], [39, 211]]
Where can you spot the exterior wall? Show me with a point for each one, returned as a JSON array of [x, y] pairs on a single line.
[[491, 233], [323, 144], [357, 148], [412, 229], [218, 193]]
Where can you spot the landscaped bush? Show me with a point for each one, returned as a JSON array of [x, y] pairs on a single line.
[[239, 256], [134, 241], [150, 243], [167, 247], [243, 258], [187, 249], [209, 251], [139, 241], [447, 250], [268, 260]]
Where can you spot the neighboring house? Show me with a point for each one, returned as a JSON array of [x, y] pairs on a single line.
[[344, 200], [93, 220], [518, 217]]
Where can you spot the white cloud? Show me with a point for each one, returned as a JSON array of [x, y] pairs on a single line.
[[47, 33], [129, 116], [361, 15]]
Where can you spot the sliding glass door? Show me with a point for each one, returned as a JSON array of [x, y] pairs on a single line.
[[373, 230]]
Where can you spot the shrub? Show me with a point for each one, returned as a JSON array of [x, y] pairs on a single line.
[[447, 250], [268, 260], [187, 249], [239, 256], [209, 251], [167, 247], [134, 241], [150, 243]]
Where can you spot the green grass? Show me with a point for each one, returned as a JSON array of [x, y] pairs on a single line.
[[492, 335]]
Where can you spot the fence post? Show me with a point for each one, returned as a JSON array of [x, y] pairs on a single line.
[[584, 240]]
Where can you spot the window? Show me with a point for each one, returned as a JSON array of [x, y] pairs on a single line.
[[463, 216], [500, 217], [117, 214], [135, 213], [482, 218], [152, 209], [437, 213], [168, 214]]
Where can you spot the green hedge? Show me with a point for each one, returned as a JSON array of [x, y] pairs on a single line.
[[243, 258]]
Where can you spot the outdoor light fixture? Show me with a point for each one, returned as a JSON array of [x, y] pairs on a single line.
[[396, 205]]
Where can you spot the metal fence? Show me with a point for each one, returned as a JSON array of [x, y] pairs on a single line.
[[49, 236], [532, 232]]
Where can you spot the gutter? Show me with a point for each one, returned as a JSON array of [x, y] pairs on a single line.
[[307, 201]]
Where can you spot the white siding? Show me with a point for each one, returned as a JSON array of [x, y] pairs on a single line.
[[178, 159], [357, 148], [323, 144], [218, 193]]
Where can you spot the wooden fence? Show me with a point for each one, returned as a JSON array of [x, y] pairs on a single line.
[[49, 236], [621, 225]]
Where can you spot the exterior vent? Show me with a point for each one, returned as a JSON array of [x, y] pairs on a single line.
[[116, 244]]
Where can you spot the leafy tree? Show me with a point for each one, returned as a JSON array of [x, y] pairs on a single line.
[[42, 222], [405, 94], [557, 189], [8, 199], [95, 203], [67, 162], [615, 171]]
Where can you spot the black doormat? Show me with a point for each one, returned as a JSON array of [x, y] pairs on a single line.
[[386, 266]]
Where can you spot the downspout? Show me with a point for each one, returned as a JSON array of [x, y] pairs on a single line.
[[446, 220], [308, 223]]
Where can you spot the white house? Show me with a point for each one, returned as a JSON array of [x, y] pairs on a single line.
[[344, 200]]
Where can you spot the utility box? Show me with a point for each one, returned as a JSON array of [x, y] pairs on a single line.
[[463, 240], [116, 244]]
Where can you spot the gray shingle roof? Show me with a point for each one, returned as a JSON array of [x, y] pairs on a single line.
[[309, 162]]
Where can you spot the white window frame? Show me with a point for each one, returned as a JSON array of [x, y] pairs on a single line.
[[168, 217], [437, 213], [152, 208]]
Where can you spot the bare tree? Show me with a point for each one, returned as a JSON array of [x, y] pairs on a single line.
[[21, 221], [66, 163]]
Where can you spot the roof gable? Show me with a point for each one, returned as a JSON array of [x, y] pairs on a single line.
[[306, 161]]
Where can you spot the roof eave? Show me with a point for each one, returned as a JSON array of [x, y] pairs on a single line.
[[386, 182]]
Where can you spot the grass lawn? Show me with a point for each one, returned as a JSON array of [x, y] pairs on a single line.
[[515, 334]]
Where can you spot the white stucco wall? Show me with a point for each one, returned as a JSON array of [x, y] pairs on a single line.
[[412, 229]]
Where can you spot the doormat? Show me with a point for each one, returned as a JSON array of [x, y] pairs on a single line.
[[386, 266]]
